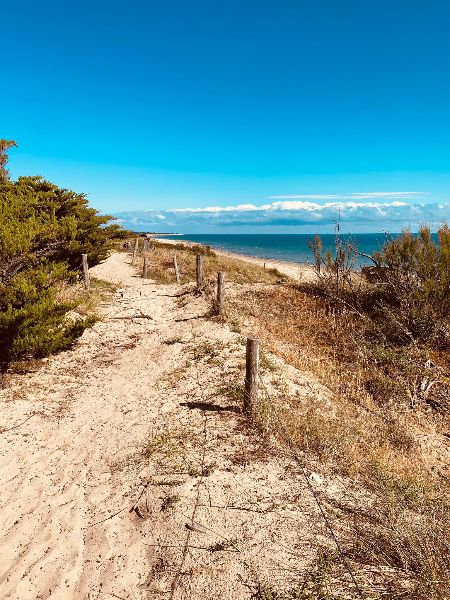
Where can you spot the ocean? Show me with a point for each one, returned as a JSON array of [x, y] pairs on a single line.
[[288, 247]]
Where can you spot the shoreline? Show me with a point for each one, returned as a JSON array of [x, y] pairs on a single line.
[[296, 271]]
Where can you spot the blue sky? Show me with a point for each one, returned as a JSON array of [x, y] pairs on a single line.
[[160, 105]]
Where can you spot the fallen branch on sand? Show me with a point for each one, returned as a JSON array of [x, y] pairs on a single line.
[[2, 430], [130, 318]]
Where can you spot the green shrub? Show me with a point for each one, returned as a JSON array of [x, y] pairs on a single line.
[[43, 231], [406, 295], [415, 285]]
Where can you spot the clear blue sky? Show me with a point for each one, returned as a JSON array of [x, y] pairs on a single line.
[[169, 104]]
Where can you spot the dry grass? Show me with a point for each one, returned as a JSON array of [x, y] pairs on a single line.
[[161, 266], [86, 302], [372, 432], [318, 585], [169, 452]]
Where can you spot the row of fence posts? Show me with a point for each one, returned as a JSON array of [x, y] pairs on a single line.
[[146, 247], [252, 347]]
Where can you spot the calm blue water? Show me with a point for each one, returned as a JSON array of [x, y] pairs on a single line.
[[289, 247]]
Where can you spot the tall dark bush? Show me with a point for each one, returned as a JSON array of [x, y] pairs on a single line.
[[43, 231]]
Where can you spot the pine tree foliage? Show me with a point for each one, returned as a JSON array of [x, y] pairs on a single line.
[[44, 230], [5, 145]]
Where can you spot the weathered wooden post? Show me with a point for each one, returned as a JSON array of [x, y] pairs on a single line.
[[145, 244], [199, 270], [135, 251], [251, 375], [145, 269], [87, 281], [175, 266], [220, 292]]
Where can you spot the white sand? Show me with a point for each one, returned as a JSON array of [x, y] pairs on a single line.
[[72, 466]]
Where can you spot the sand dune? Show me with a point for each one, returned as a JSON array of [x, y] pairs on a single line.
[[109, 451]]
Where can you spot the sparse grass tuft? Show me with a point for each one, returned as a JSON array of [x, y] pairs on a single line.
[[169, 502], [281, 277], [318, 584], [223, 545], [161, 445], [174, 340], [234, 392], [266, 362], [170, 452]]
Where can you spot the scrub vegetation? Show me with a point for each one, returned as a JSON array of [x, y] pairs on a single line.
[[43, 231]]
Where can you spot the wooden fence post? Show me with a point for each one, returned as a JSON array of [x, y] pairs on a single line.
[[175, 266], [145, 244], [199, 270], [251, 375], [220, 292], [145, 269], [87, 281], [135, 251]]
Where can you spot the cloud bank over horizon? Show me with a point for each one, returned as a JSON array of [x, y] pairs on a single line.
[[364, 211]]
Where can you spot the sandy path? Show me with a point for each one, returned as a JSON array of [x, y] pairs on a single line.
[[139, 412]]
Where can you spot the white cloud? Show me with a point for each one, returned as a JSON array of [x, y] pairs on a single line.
[[287, 205], [215, 209], [368, 212]]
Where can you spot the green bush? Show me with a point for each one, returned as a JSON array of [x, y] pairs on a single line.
[[43, 231], [414, 285], [405, 295]]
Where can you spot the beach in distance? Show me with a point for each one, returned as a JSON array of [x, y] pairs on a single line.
[[296, 270], [287, 252]]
